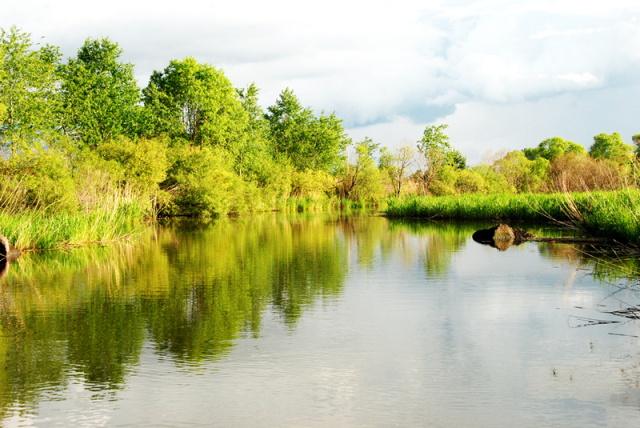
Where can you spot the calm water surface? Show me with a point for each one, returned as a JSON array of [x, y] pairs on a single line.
[[317, 321]]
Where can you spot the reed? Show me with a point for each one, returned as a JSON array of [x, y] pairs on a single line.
[[115, 215], [611, 214]]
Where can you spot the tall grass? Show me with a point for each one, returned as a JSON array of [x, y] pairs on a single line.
[[114, 214], [611, 214]]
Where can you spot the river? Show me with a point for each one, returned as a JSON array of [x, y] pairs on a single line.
[[318, 320]]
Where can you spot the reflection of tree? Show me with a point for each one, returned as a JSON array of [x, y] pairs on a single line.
[[441, 241], [604, 264], [191, 289], [103, 337]]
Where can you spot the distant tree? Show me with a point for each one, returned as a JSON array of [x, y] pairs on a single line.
[[28, 91], [308, 142], [551, 148], [397, 166], [436, 153], [100, 94], [522, 174], [196, 102], [361, 180], [611, 147], [636, 140]]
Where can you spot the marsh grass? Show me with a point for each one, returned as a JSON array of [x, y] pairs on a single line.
[[114, 215], [611, 214]]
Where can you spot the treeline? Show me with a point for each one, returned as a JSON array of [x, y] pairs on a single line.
[[77, 134]]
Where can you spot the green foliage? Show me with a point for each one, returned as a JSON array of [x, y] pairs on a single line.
[[361, 181], [308, 142], [611, 147], [311, 184], [28, 92], [468, 181], [436, 153], [635, 138], [100, 94], [396, 166], [142, 164], [254, 159], [522, 174], [39, 181], [551, 148], [202, 183], [198, 103]]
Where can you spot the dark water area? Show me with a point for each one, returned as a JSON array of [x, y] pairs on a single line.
[[319, 320]]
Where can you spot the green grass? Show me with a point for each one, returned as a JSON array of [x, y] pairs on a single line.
[[606, 214], [35, 230]]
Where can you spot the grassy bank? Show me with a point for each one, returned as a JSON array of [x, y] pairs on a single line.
[[30, 230], [608, 214]]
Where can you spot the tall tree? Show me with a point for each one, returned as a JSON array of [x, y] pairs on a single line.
[[100, 94], [308, 142], [397, 165], [611, 147], [198, 103], [361, 180], [551, 148], [436, 153], [28, 91], [254, 159]]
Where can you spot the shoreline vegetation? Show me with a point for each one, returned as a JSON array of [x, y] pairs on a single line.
[[88, 156]]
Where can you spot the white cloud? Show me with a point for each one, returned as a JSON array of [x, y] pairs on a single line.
[[401, 64]]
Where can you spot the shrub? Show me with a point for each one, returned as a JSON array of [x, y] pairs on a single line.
[[38, 180], [201, 183]]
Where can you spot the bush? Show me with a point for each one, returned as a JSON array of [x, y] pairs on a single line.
[[580, 173], [201, 183], [468, 181], [311, 184], [38, 180]]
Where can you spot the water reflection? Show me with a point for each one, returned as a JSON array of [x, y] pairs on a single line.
[[190, 291]]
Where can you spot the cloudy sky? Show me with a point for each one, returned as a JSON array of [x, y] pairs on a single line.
[[503, 74]]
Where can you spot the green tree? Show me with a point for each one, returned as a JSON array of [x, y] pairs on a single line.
[[611, 147], [308, 142], [198, 103], [635, 138], [436, 153], [28, 91], [397, 166], [551, 148], [361, 181], [100, 94], [254, 160], [522, 174]]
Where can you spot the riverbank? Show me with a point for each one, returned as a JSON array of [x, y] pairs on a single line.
[[613, 215], [34, 230]]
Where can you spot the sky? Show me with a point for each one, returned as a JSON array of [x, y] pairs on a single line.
[[503, 75]]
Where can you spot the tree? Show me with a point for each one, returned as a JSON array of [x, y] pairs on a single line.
[[397, 165], [522, 174], [436, 153], [635, 138], [198, 103], [100, 94], [361, 181], [611, 147], [551, 148], [254, 160], [28, 91], [308, 142]]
